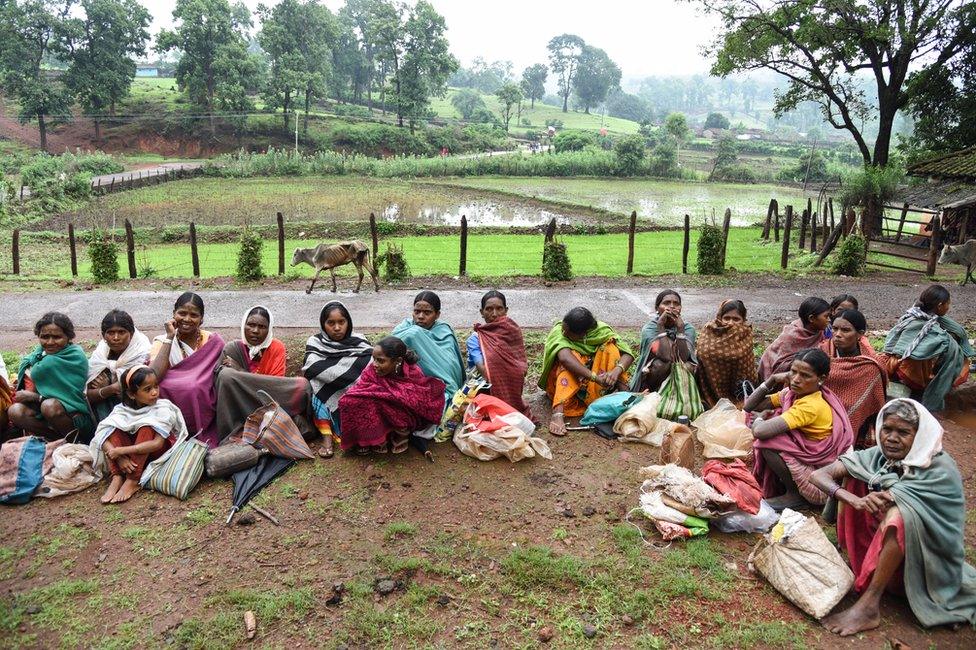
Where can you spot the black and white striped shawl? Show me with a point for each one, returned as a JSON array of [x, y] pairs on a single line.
[[333, 366]]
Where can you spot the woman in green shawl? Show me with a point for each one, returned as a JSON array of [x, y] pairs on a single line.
[[434, 341], [665, 339], [927, 351], [583, 360], [50, 398], [901, 518]]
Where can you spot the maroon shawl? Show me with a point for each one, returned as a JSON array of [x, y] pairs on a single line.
[[190, 385], [374, 406], [503, 348], [814, 453], [778, 357], [860, 382]]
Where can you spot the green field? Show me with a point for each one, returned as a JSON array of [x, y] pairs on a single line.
[[537, 116]]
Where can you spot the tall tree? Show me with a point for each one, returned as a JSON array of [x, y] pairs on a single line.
[[211, 38], [676, 125], [508, 96], [596, 76], [31, 33], [412, 42], [943, 105], [822, 46], [103, 45], [565, 51], [534, 82], [467, 101]]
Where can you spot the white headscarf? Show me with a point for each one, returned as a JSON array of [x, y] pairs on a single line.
[[254, 350], [928, 437], [136, 354]]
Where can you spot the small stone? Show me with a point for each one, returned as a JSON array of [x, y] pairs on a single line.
[[102, 557], [589, 511], [385, 587], [407, 484], [443, 600], [385, 485], [335, 598], [627, 620], [153, 506], [568, 513], [303, 495], [33, 609], [545, 634], [246, 519], [589, 631]]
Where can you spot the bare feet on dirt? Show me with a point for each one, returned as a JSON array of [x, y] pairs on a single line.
[[127, 491], [858, 618], [557, 425], [113, 488]]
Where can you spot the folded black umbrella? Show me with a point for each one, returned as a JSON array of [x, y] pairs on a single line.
[[249, 482]]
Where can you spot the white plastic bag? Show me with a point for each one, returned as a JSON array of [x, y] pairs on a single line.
[[744, 522], [640, 423], [723, 432]]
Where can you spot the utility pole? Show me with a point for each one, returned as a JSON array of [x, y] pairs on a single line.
[[296, 132]]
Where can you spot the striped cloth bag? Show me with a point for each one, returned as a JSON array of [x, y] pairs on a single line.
[[270, 427], [23, 464], [679, 394], [181, 470]]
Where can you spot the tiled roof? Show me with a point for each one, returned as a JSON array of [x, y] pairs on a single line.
[[935, 193], [958, 164]]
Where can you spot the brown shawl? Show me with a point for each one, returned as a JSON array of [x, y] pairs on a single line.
[[860, 383], [725, 359]]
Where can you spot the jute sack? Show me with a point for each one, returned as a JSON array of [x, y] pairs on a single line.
[[640, 423], [805, 567]]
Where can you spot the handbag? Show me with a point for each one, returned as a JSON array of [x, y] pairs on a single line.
[[181, 471], [231, 457], [679, 392], [270, 427]]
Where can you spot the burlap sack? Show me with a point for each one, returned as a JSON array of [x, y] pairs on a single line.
[[678, 446]]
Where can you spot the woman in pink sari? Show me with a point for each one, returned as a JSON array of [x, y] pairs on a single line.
[[808, 429], [391, 399], [184, 360], [807, 331]]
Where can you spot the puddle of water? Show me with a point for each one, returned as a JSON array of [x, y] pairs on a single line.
[[479, 213]]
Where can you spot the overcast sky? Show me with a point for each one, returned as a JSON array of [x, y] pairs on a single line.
[[644, 37]]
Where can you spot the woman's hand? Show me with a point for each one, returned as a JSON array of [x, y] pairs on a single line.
[[99, 382], [26, 397], [114, 453], [778, 380], [875, 502], [230, 363], [171, 329]]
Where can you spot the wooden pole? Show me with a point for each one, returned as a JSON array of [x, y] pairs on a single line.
[[813, 233], [784, 258], [194, 256], [830, 206], [73, 249], [463, 265], [933, 246], [901, 223], [281, 244], [803, 229], [726, 223], [130, 248], [630, 242], [776, 224], [374, 233], [15, 246], [830, 244], [769, 219], [686, 245]]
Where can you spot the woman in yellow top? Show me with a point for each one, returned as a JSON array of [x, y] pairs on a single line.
[[807, 430]]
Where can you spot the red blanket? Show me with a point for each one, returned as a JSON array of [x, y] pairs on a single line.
[[374, 406], [503, 348], [734, 480], [860, 383]]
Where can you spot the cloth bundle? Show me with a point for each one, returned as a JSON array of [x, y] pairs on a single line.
[[73, 471], [493, 428], [680, 484], [640, 422]]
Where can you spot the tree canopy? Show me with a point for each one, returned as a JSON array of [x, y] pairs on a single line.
[[534, 82], [565, 52], [596, 76]]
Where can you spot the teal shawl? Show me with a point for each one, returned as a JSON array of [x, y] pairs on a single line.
[[920, 336], [648, 334], [439, 352], [940, 585], [63, 376]]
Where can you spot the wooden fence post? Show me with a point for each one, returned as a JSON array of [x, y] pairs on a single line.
[[830, 243], [73, 249], [803, 229], [463, 265], [784, 258], [830, 206], [281, 244], [776, 224], [769, 219], [374, 234], [933, 246], [15, 246], [726, 223], [194, 256], [686, 245], [630, 242], [813, 233], [130, 248], [901, 222]]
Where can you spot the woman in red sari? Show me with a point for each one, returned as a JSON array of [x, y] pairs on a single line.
[[392, 398], [497, 350]]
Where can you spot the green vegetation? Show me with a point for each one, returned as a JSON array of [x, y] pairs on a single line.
[[710, 250], [556, 266], [249, 257], [851, 257], [104, 255]]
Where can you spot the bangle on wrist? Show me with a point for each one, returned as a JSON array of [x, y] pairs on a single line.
[[592, 376], [833, 491], [165, 341]]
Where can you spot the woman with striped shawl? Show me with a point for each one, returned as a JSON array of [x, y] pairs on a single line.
[[334, 360]]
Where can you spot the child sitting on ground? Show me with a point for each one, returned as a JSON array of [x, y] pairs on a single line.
[[137, 431]]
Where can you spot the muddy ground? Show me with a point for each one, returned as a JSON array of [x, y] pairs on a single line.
[[454, 553]]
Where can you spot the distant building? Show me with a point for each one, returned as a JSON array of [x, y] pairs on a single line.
[[946, 184], [147, 71]]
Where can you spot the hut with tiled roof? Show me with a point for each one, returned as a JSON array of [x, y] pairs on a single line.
[[949, 187]]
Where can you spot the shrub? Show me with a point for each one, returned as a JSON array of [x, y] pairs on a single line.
[[351, 110], [394, 264], [555, 262], [78, 185], [871, 184], [249, 257], [95, 163], [572, 141], [665, 159], [630, 155], [41, 171], [104, 255], [556, 124], [851, 257], [710, 251]]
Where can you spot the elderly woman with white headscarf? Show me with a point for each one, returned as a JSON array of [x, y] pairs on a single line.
[[901, 519], [256, 362]]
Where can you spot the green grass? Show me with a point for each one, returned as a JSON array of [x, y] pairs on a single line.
[[656, 253], [399, 529]]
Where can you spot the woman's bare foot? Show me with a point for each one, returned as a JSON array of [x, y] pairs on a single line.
[[326, 450], [860, 617], [127, 491], [113, 488], [557, 425]]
